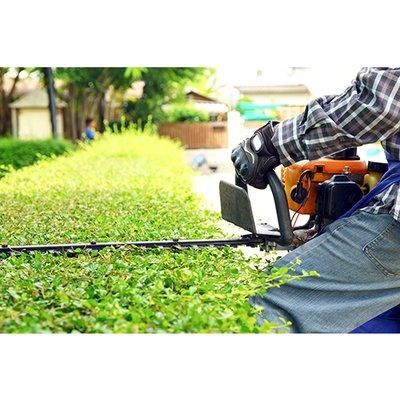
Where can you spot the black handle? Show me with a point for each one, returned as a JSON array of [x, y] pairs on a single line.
[[240, 182], [281, 206], [282, 209]]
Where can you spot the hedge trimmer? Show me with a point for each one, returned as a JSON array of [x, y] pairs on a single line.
[[323, 189], [235, 208]]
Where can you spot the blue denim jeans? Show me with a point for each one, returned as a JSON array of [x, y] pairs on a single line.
[[358, 259]]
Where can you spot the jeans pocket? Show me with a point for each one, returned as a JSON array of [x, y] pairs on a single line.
[[384, 250]]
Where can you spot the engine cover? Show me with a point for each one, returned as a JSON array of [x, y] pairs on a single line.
[[336, 196], [322, 169]]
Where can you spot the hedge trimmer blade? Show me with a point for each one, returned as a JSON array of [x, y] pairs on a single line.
[[72, 248], [235, 208]]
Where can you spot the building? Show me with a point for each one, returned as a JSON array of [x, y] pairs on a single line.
[[289, 94], [214, 108], [272, 102], [30, 116], [265, 93]]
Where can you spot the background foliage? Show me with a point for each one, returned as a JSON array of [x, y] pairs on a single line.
[[164, 85], [87, 91], [7, 95], [128, 186], [185, 113], [21, 153]]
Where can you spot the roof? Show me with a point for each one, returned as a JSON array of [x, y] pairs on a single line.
[[297, 88], [37, 98], [192, 95], [205, 103]]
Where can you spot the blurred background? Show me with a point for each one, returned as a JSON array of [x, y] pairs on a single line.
[[115, 96]]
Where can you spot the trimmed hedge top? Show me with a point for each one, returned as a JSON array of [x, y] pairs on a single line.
[[125, 187], [21, 153]]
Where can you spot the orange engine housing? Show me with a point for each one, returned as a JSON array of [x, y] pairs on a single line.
[[323, 169]]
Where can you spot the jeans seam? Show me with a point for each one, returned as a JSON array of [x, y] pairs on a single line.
[[339, 226], [375, 261]]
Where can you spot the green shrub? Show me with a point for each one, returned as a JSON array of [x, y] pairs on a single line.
[[123, 187], [185, 113], [123, 125], [21, 153]]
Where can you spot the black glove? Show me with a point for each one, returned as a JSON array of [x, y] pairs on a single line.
[[255, 156]]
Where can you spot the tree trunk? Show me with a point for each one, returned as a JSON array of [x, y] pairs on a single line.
[[5, 100], [102, 112], [5, 116], [72, 112], [4, 120], [2, 102], [48, 73]]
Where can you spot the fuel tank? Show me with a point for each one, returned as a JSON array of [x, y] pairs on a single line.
[[322, 170]]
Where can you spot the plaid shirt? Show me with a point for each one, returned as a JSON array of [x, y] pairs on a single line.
[[368, 111]]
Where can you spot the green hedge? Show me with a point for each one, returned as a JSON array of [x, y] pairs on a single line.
[[185, 113], [123, 187], [21, 153]]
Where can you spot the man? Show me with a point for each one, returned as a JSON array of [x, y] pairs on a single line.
[[90, 127], [357, 257]]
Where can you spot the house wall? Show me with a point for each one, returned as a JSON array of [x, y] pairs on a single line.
[[34, 123], [280, 98]]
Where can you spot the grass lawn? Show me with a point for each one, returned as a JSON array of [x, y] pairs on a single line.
[[124, 187]]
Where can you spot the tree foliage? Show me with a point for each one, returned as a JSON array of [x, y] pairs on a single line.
[[85, 91], [9, 78], [163, 85]]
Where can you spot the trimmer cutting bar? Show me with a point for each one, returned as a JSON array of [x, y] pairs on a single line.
[[235, 208], [71, 248]]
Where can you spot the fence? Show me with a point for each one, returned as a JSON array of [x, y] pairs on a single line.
[[197, 135]]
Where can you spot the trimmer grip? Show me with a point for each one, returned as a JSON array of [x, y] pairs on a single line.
[[281, 206], [282, 209], [240, 182]]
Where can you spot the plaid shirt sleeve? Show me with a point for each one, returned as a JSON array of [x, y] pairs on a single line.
[[368, 111]]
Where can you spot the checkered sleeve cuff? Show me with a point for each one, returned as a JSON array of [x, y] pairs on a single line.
[[287, 141]]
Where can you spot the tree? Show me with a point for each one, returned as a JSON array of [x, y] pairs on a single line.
[[85, 91], [162, 85], [49, 81], [9, 78]]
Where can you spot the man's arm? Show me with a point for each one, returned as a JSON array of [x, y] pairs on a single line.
[[368, 111]]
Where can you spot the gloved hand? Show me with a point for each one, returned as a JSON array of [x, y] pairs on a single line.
[[255, 156]]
